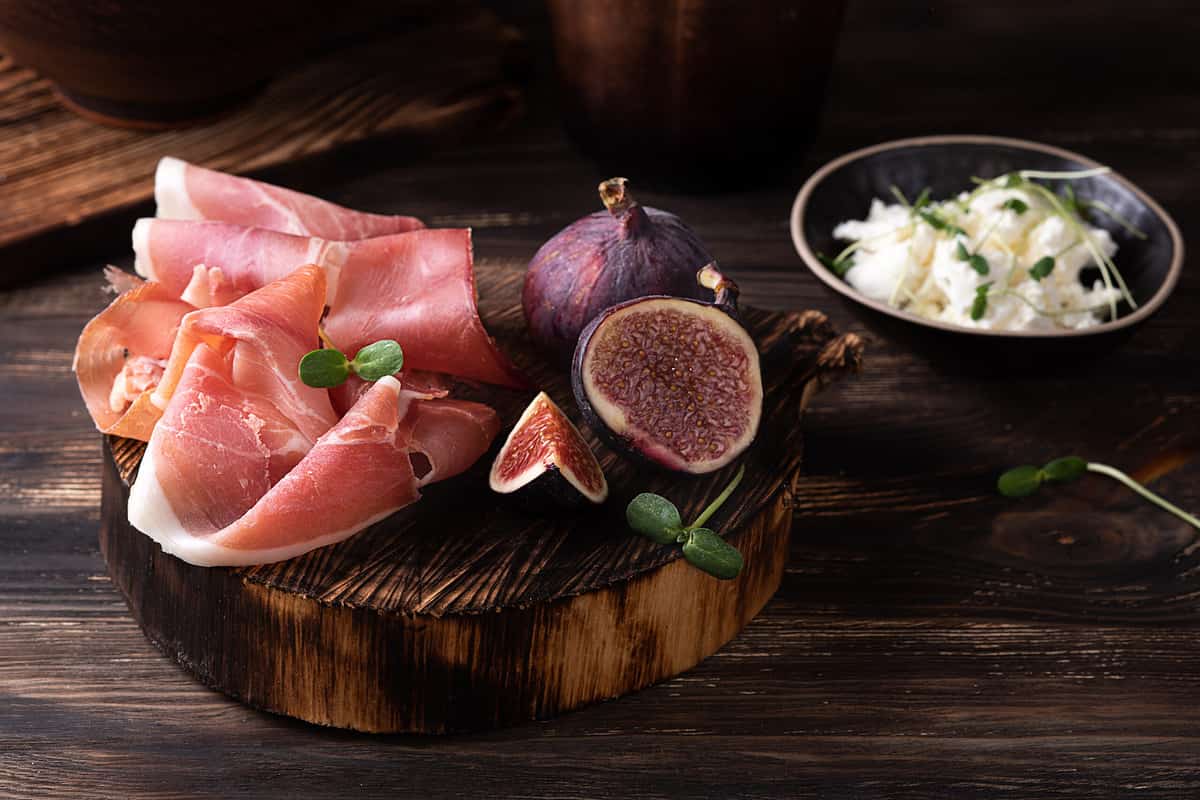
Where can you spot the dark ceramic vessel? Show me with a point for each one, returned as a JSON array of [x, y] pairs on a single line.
[[843, 190], [693, 94], [147, 63]]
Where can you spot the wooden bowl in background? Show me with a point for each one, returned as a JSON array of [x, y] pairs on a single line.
[[145, 63]]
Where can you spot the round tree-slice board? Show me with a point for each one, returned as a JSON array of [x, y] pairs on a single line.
[[468, 610]]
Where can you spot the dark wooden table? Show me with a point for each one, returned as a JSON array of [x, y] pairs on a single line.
[[929, 640]]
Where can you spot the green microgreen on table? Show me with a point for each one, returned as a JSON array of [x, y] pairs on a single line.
[[657, 518], [329, 367], [1027, 479]]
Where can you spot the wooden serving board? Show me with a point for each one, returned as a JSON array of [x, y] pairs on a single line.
[[467, 609], [68, 184]]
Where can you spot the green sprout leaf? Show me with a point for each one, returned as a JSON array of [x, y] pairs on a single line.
[[961, 252], [922, 199], [838, 266], [325, 368], [712, 554], [378, 360], [1020, 481], [1024, 481], [1061, 470], [1016, 205], [937, 222], [980, 304], [655, 517], [1013, 181], [1042, 267], [978, 263]]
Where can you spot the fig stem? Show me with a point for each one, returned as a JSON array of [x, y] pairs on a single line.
[[616, 196], [726, 291], [716, 504]]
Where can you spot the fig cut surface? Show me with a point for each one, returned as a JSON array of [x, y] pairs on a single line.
[[675, 380]]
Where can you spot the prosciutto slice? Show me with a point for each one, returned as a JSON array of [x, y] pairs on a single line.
[[121, 356], [417, 288], [215, 263], [426, 301], [185, 191], [392, 442]]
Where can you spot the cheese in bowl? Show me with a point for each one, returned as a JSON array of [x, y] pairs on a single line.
[[1008, 255]]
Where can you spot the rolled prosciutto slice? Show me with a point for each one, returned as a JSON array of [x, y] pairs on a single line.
[[185, 191], [122, 353], [370, 464], [417, 288], [215, 263], [426, 301]]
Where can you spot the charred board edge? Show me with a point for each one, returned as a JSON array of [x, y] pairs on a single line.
[[386, 672]]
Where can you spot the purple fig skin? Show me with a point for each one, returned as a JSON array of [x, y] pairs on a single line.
[[727, 302], [603, 259]]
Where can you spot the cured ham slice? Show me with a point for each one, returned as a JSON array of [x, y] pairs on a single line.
[[214, 263], [417, 288], [425, 301], [185, 191], [392, 442], [121, 356], [263, 336]]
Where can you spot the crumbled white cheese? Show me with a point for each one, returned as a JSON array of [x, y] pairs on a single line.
[[908, 263]]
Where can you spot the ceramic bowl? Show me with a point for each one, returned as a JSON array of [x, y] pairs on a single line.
[[843, 189]]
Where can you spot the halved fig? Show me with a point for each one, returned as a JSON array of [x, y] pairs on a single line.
[[672, 380], [546, 453]]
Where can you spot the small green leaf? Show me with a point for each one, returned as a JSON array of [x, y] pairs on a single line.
[[837, 266], [961, 252], [712, 554], [978, 263], [1016, 205], [1020, 481], [1013, 180], [1041, 268], [323, 369], [1061, 470], [922, 199], [378, 360], [980, 304], [655, 517]]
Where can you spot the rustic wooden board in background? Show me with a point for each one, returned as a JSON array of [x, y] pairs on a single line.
[[912, 650], [67, 183]]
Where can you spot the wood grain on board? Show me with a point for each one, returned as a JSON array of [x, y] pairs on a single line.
[[921, 645], [468, 609], [67, 182]]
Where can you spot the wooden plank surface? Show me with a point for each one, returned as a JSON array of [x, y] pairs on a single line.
[[64, 179], [919, 646]]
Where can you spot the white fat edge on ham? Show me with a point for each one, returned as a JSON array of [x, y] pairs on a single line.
[[170, 191], [150, 511], [206, 279]]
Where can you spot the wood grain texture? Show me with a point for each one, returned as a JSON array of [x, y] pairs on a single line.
[[909, 653], [67, 177], [468, 610]]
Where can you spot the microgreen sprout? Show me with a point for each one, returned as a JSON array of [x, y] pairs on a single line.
[[1025, 480], [974, 260], [1016, 205], [1041, 268], [329, 367], [657, 518], [980, 303]]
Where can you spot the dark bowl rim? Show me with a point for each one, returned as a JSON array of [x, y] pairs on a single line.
[[800, 207]]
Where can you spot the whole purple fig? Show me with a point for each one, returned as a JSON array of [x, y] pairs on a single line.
[[605, 258]]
